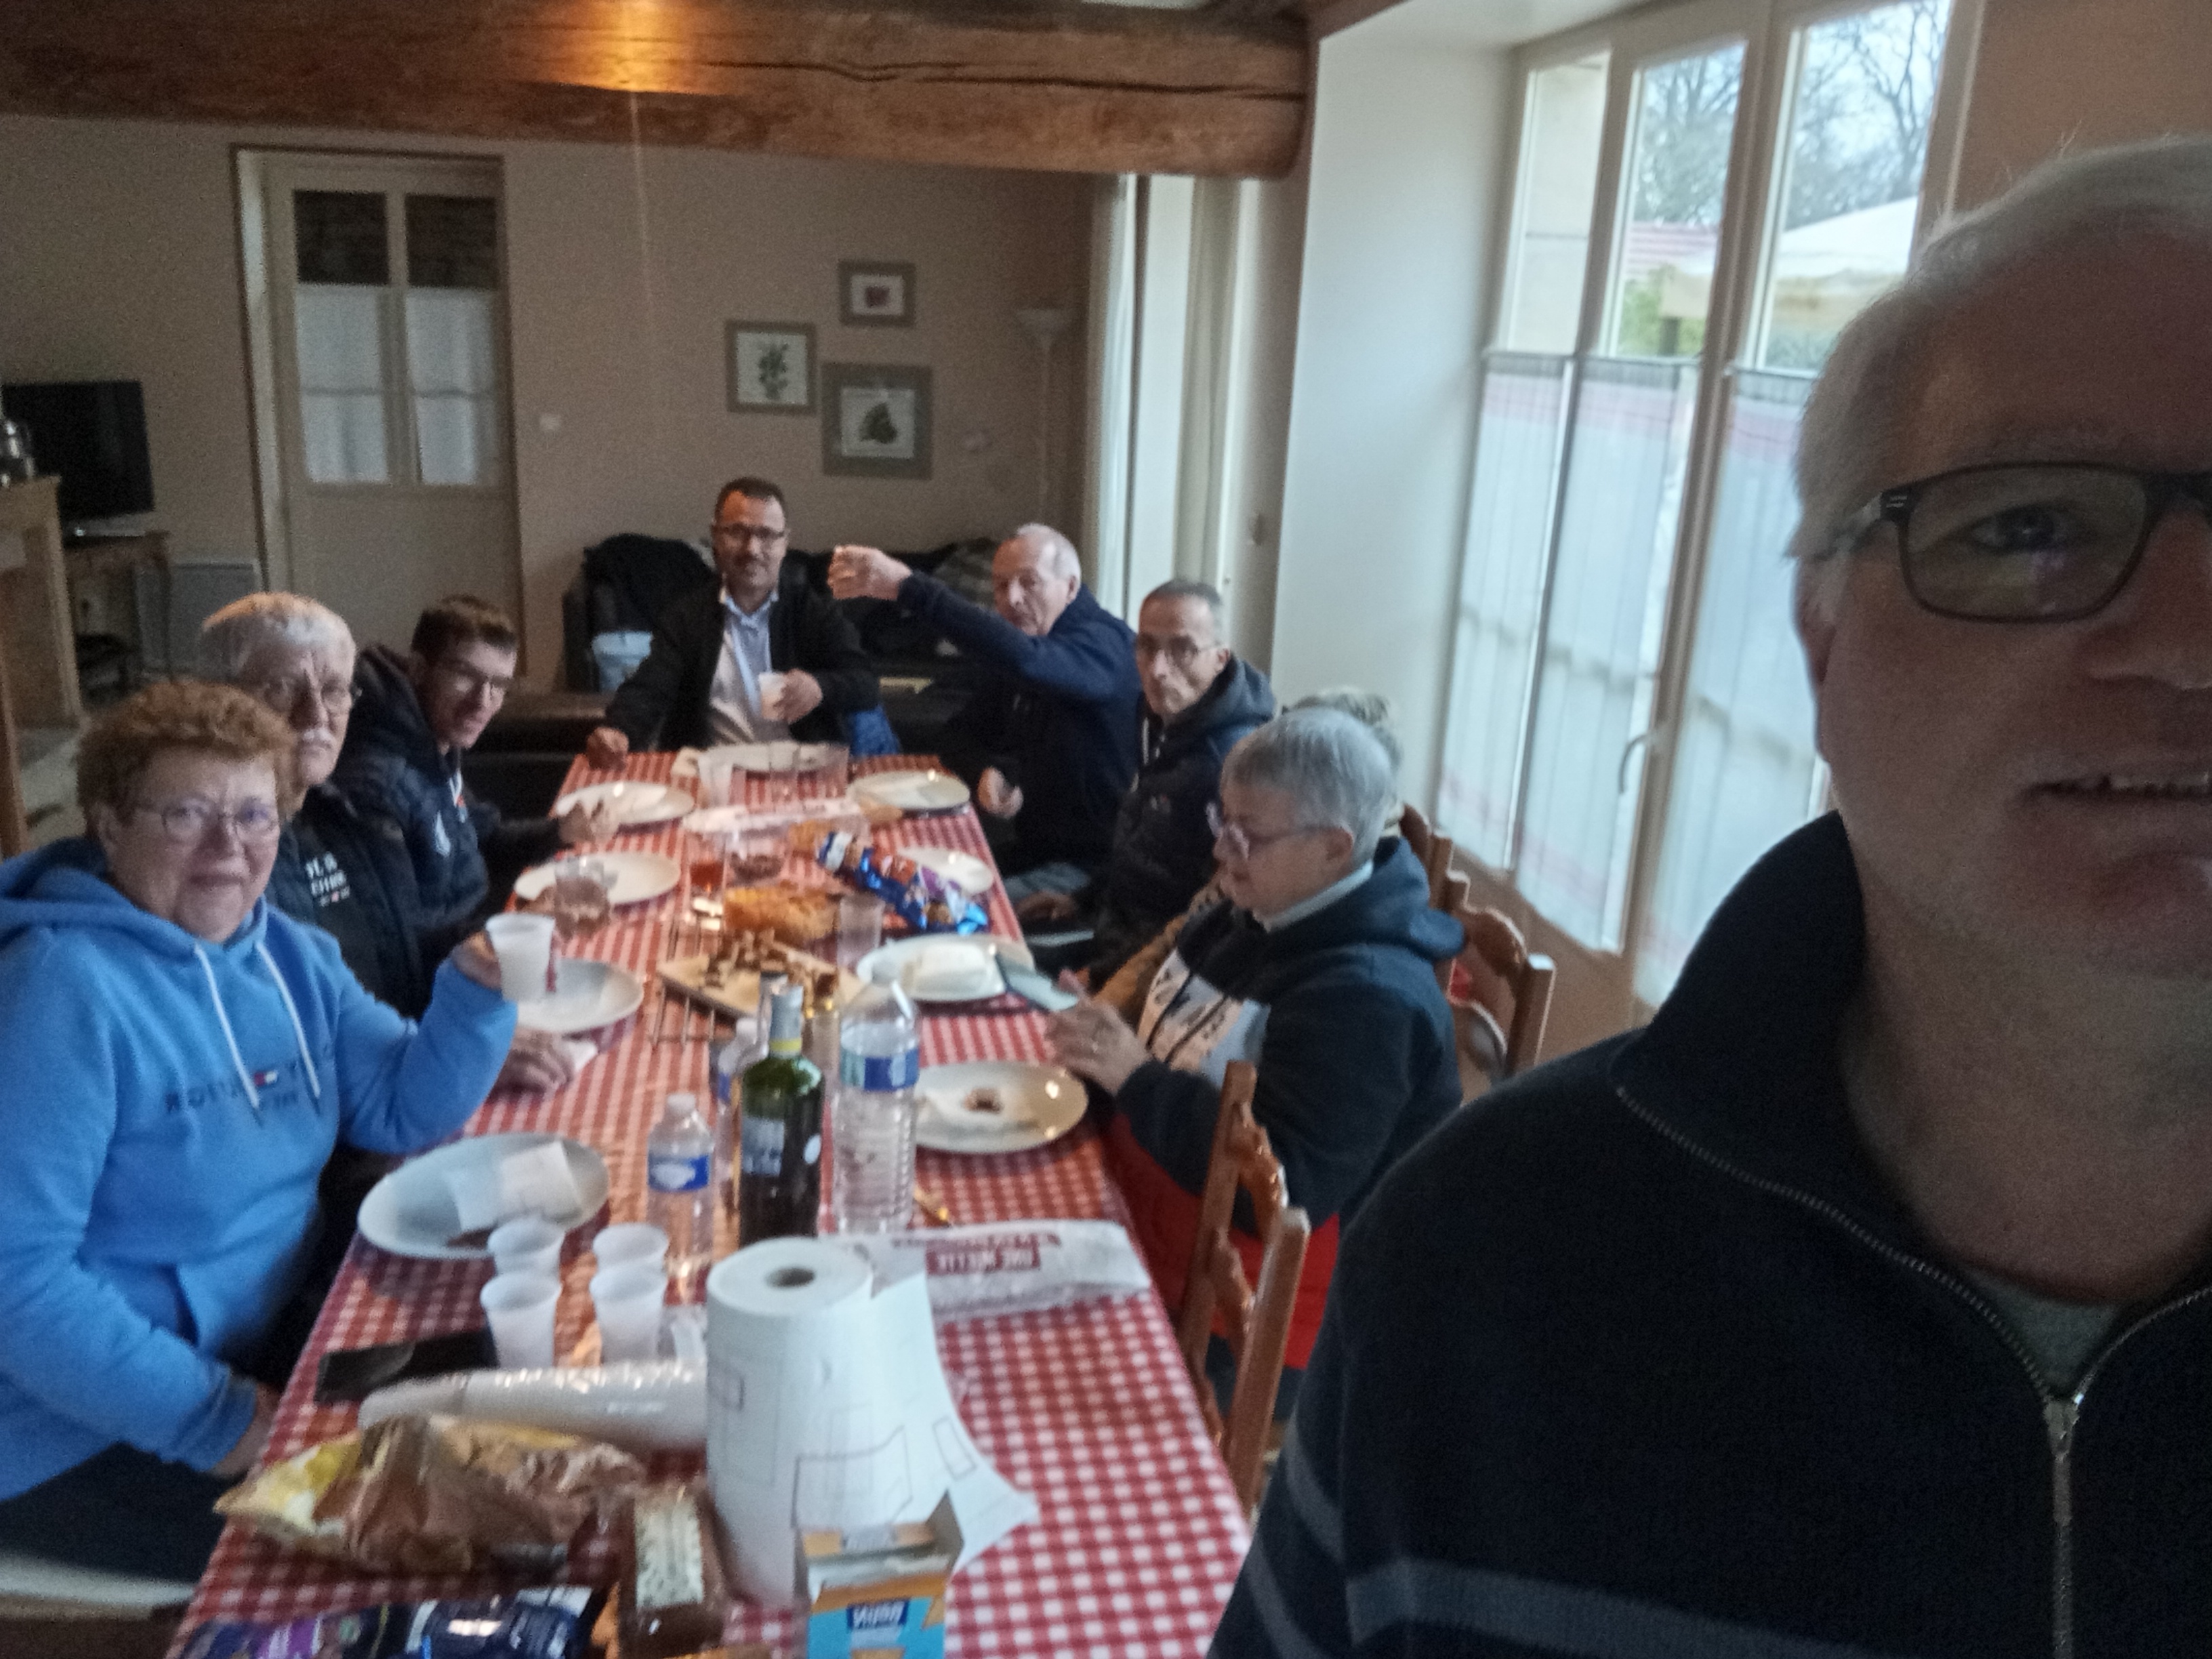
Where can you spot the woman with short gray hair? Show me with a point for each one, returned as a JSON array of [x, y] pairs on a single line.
[[1319, 969]]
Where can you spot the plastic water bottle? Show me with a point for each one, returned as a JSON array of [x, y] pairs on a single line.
[[872, 1139], [679, 1193]]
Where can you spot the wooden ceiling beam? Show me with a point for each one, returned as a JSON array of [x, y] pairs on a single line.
[[1053, 85]]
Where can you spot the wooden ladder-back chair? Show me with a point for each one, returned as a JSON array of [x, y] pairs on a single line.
[[1506, 996], [1433, 851], [1257, 1321]]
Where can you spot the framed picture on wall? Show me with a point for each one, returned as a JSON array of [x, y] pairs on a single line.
[[873, 294], [771, 367], [875, 421]]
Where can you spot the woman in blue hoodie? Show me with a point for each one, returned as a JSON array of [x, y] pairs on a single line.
[[182, 1059]]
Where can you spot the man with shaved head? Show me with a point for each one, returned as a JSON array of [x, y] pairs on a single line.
[[1050, 745]]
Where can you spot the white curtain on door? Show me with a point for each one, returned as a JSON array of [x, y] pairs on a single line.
[[453, 374], [339, 336], [1599, 658], [1746, 772]]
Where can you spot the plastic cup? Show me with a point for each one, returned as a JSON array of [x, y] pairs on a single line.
[[859, 926], [524, 944], [520, 1309], [630, 1244], [528, 1244], [771, 688], [714, 772], [628, 1302]]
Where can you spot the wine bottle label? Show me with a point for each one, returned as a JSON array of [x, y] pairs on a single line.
[[760, 1147], [813, 1148], [884, 1073], [678, 1175]]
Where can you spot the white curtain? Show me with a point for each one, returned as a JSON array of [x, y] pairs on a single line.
[[339, 340], [453, 374], [1501, 583], [1599, 657], [1745, 770]]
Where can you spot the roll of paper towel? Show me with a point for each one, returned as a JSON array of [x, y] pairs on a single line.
[[827, 1407]]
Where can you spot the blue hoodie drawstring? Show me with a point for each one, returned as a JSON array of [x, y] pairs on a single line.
[[222, 1017], [299, 1032]]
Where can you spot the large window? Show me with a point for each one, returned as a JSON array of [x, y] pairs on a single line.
[[1704, 197]]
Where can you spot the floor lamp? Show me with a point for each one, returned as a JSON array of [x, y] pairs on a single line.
[[1044, 324]]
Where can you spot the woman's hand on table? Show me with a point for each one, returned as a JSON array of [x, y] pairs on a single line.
[[242, 1456], [538, 1062], [1093, 1041]]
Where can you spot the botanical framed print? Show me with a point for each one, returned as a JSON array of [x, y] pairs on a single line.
[[875, 421], [873, 294], [771, 367]]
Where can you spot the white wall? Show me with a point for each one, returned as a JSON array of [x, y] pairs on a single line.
[[1408, 159], [118, 259]]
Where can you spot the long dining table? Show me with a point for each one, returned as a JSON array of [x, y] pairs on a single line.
[[1088, 1408]]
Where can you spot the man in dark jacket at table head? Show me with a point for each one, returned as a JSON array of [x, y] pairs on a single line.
[[413, 717], [1861, 1304], [1199, 698], [1050, 743], [762, 656]]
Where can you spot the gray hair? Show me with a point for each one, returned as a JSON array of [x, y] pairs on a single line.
[[229, 638], [1061, 558], [2162, 187], [1370, 708], [1330, 762], [1205, 593]]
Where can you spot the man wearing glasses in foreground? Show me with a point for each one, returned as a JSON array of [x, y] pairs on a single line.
[[758, 659], [413, 718], [1859, 1304]]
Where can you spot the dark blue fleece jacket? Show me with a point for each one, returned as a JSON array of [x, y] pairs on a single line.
[[1641, 1356], [1058, 718], [390, 766]]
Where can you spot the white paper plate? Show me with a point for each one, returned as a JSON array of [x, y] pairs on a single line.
[[1041, 1103], [411, 1211], [911, 791], [638, 877], [634, 804], [963, 869], [587, 994], [907, 953]]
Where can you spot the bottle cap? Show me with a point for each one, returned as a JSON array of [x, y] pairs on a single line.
[[683, 1101]]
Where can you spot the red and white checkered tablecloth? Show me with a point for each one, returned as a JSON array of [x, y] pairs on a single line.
[[1089, 1409]]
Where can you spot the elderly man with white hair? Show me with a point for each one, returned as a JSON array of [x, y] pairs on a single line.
[[1862, 1304], [1051, 744], [1320, 969], [339, 865]]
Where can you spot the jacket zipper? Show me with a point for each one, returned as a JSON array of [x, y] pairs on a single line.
[[2061, 1413]]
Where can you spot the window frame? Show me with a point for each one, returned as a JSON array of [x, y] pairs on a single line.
[[1771, 32]]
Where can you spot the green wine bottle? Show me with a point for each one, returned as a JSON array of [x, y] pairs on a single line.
[[780, 1136]]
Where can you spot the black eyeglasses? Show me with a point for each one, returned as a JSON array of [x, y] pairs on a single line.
[[745, 535], [2027, 541]]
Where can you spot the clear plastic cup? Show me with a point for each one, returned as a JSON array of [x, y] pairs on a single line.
[[714, 773], [859, 926], [520, 1309], [528, 1244], [771, 688], [524, 944], [627, 1244], [628, 1303]]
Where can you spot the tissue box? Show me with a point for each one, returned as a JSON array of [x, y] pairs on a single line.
[[879, 1592]]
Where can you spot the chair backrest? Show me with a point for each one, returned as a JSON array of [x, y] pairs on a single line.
[[1256, 1322], [1501, 983]]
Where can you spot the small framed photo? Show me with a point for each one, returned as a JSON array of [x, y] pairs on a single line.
[[873, 294], [771, 367], [875, 421]]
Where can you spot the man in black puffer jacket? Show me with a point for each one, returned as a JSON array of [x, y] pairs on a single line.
[[1199, 698]]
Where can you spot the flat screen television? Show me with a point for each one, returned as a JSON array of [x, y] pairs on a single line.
[[92, 435]]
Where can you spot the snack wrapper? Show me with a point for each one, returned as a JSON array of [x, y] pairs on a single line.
[[922, 898], [531, 1623], [437, 1494]]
